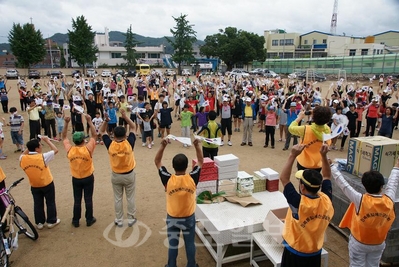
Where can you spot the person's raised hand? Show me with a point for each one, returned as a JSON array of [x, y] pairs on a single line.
[[67, 119], [88, 117], [123, 112], [164, 142], [196, 142], [297, 149], [324, 150]]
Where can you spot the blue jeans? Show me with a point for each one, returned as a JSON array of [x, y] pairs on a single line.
[[187, 226]]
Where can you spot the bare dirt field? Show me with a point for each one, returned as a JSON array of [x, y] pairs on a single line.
[[144, 244]]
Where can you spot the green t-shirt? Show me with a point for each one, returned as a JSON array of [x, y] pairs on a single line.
[[186, 118]]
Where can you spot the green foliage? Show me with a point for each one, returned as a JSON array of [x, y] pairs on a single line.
[[26, 44], [184, 38], [104, 65], [62, 60], [81, 42], [130, 43], [234, 46]]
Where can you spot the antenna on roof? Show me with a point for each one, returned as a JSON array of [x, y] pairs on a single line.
[[333, 28]]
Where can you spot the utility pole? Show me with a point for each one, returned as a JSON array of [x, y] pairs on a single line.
[[31, 20], [51, 53]]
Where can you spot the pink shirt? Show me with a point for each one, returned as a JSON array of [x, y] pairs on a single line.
[[271, 118]]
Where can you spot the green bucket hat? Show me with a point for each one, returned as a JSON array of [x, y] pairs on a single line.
[[78, 137]]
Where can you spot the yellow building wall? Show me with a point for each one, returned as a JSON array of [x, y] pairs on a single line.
[[389, 38]]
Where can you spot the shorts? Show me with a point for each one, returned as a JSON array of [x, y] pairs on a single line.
[[133, 117], [59, 129], [17, 138], [165, 126], [111, 126], [262, 117], [177, 102], [122, 122], [147, 134], [235, 116]]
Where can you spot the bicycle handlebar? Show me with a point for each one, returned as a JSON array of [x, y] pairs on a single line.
[[16, 182]]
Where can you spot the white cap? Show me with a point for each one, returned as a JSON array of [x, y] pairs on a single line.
[[336, 101], [248, 99]]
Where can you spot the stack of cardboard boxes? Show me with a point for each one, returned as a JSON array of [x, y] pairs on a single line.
[[259, 182], [272, 179], [245, 184], [208, 177], [227, 166]]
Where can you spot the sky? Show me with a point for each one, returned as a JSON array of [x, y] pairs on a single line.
[[154, 18]]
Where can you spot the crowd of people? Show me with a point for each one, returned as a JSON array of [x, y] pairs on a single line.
[[116, 111]]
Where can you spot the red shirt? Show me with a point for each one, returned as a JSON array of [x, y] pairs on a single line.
[[211, 106], [192, 105], [373, 112]]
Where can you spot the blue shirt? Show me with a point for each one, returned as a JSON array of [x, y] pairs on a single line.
[[112, 115], [291, 116]]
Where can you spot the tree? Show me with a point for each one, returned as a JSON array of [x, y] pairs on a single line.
[[234, 46], [182, 43], [130, 44], [81, 42], [26, 44], [62, 59]]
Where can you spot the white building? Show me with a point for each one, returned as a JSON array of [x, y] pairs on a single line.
[[352, 46]]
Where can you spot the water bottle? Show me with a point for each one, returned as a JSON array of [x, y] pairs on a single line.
[[6, 247]]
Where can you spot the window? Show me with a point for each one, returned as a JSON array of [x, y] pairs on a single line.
[[282, 42], [324, 41], [272, 55], [157, 55], [314, 41], [305, 42], [352, 52], [141, 55], [382, 43], [365, 52], [374, 51], [274, 42], [289, 41], [116, 55]]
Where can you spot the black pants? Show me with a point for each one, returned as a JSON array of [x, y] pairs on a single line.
[[39, 194], [358, 128], [370, 126], [352, 134], [270, 134], [100, 109], [226, 125], [51, 124], [292, 260], [288, 140], [43, 123], [4, 104], [83, 186], [34, 129], [209, 152]]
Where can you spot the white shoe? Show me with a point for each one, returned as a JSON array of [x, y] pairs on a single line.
[[144, 144], [52, 225], [130, 222], [39, 226], [229, 143], [149, 146], [119, 223], [152, 143], [222, 143]]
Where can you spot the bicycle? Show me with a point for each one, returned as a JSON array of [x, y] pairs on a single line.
[[13, 215]]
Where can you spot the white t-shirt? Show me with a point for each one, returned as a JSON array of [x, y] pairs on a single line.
[[97, 123], [339, 118]]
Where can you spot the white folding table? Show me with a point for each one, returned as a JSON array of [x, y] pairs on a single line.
[[229, 224]]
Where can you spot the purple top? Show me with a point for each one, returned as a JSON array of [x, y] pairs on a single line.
[[202, 118]]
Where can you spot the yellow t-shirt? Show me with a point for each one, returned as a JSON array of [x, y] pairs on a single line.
[[248, 111]]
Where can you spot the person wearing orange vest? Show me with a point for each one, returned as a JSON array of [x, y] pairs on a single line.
[[369, 216], [309, 212], [180, 189], [35, 164], [311, 137], [82, 169], [123, 177]]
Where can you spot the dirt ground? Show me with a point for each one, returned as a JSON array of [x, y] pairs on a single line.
[[144, 244]]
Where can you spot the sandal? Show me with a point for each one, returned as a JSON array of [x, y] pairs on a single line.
[[18, 150]]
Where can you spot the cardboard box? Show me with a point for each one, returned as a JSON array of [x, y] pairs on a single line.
[[372, 153], [270, 173], [228, 175], [259, 185], [259, 175], [245, 184], [226, 160], [226, 169], [228, 186], [207, 186], [208, 177], [272, 185], [212, 170], [274, 223], [208, 163]]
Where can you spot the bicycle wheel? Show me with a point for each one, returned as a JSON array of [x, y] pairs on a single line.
[[3, 255], [21, 220]]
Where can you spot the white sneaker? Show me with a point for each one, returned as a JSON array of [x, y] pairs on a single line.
[[52, 225], [229, 143], [130, 222], [222, 143], [119, 223], [149, 146], [152, 143], [144, 144], [39, 226]]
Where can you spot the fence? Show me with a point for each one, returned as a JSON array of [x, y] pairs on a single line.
[[373, 64]]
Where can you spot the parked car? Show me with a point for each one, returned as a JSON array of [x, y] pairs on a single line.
[[120, 72], [91, 73], [131, 73], [314, 76], [12, 74], [170, 72], [33, 74], [269, 73], [239, 73], [185, 72], [54, 73], [106, 73], [257, 71], [293, 75], [76, 73]]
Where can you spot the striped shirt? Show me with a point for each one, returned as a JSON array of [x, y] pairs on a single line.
[[15, 122]]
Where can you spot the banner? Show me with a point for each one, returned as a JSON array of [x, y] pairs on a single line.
[[214, 141], [337, 131], [183, 140], [79, 109]]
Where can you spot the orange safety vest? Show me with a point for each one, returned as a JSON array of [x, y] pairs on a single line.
[[154, 95], [306, 235], [310, 157], [2, 175], [35, 168], [371, 224], [121, 157], [80, 162], [180, 196]]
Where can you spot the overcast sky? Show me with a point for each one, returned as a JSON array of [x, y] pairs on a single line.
[[153, 18]]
